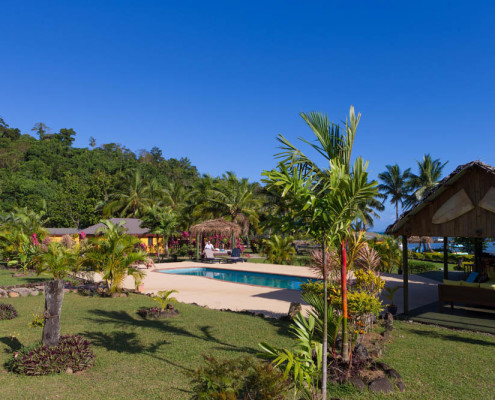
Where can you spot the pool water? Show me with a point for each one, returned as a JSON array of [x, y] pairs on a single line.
[[251, 278]]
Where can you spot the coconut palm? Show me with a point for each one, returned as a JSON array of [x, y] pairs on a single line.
[[131, 200], [114, 255], [395, 185], [234, 198], [430, 172]]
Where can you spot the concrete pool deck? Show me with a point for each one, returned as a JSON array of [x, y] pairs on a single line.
[[219, 294]]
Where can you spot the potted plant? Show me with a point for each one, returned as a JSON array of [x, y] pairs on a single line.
[[389, 293]]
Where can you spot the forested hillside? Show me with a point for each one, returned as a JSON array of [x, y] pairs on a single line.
[[73, 184]]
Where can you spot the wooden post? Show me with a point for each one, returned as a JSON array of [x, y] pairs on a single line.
[[197, 246], [405, 274], [478, 249], [445, 257]]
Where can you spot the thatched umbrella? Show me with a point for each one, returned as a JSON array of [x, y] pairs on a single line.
[[215, 226]]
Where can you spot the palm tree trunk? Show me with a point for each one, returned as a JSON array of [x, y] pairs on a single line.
[[325, 322], [166, 252], [54, 296], [396, 210], [345, 341]]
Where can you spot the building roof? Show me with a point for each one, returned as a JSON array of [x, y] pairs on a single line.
[[63, 231], [133, 226], [475, 179]]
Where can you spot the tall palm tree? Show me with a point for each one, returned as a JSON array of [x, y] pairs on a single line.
[[326, 200], [430, 172], [395, 185], [131, 200], [234, 198]]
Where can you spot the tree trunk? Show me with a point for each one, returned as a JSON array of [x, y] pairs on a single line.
[[158, 247], [54, 295], [166, 252], [325, 322], [345, 341]]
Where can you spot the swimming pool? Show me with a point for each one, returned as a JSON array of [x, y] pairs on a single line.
[[251, 278]]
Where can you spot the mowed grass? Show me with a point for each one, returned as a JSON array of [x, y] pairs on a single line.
[[135, 358], [6, 278], [150, 359]]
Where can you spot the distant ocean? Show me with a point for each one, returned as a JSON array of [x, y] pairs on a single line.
[[439, 247]]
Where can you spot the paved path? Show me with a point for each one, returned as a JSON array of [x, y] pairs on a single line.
[[269, 301]]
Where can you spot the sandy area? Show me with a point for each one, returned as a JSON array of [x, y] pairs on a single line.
[[269, 301]]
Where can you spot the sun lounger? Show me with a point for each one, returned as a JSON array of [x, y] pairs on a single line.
[[235, 256], [209, 257]]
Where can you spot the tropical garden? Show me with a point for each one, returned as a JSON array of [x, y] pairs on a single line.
[[86, 341]]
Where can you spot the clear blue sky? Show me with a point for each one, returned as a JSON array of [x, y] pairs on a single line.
[[216, 81]]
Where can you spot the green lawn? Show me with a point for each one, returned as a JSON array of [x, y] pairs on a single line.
[[6, 278], [150, 359]]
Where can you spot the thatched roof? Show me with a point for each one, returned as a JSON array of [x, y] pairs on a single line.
[[214, 226], [418, 239]]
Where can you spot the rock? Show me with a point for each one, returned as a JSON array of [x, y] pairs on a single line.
[[389, 322], [66, 291], [123, 294], [381, 385], [357, 382], [114, 295], [3, 293], [24, 292], [13, 294], [69, 370], [401, 386], [392, 373], [382, 366], [34, 293], [75, 290], [294, 309], [361, 352]]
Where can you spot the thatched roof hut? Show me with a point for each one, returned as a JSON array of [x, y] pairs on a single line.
[[214, 226]]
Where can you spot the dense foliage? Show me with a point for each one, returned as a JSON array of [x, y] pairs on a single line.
[[7, 311], [74, 181], [72, 352], [240, 379]]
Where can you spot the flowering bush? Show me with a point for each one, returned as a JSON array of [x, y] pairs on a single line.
[[34, 240], [72, 352], [82, 235], [7, 311]]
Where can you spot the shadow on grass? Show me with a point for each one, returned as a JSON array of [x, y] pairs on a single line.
[[12, 342], [453, 338], [130, 343]]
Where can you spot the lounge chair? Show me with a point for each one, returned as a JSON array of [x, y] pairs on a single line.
[[235, 256], [209, 257]]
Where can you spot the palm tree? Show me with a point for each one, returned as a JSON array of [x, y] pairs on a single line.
[[395, 185], [161, 222], [234, 198], [131, 200], [114, 255], [325, 201], [430, 172], [57, 261]]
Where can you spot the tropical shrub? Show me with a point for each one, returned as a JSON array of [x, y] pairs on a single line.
[[279, 250], [72, 352], [243, 378], [389, 253], [163, 298], [417, 267], [255, 244], [114, 254], [7, 311]]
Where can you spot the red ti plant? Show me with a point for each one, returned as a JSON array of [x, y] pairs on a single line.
[[345, 341]]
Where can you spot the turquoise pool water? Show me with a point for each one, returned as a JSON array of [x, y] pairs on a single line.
[[251, 278]]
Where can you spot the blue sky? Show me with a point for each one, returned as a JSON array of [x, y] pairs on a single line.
[[217, 81]]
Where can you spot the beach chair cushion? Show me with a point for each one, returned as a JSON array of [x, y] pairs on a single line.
[[472, 277], [451, 283]]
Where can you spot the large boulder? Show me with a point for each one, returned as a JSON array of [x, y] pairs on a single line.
[[381, 385], [294, 309], [24, 292]]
